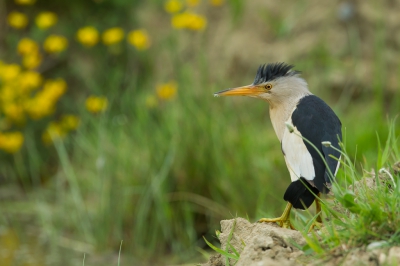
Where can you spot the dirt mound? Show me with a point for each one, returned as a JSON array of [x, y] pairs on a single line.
[[262, 244], [259, 244]]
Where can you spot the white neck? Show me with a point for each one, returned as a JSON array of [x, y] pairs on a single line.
[[282, 106], [279, 115]]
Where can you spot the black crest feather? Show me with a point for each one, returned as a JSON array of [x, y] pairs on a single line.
[[272, 71]]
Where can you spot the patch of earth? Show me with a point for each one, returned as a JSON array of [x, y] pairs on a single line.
[[262, 244]]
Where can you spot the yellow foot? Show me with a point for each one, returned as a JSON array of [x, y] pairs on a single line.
[[315, 225], [284, 223]]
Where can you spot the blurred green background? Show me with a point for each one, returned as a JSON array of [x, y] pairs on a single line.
[[109, 130]]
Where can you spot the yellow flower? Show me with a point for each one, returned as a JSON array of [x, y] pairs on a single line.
[[17, 20], [88, 36], [113, 36], [31, 61], [14, 112], [217, 2], [58, 130], [54, 89], [54, 131], [173, 6], [69, 122], [96, 104], [192, 3], [27, 46], [139, 39], [9, 72], [151, 101], [7, 95], [30, 80], [46, 19], [11, 142], [39, 106], [167, 91], [43, 103], [25, 2], [55, 44], [189, 20]]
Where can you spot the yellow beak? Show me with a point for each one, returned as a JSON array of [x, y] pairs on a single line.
[[249, 90]]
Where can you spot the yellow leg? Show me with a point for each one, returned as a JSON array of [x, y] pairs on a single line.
[[283, 221], [318, 220]]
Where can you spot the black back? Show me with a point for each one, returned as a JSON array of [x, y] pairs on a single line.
[[317, 122]]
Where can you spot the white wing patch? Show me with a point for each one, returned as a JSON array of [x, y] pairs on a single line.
[[297, 157]]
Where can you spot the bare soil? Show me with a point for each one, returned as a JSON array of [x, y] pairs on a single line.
[[262, 244]]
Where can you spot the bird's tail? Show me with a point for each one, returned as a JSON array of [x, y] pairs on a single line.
[[300, 194]]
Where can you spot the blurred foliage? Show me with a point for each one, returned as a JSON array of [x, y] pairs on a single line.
[[34, 77], [109, 131]]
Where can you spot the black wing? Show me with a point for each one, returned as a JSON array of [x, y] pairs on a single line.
[[317, 122]]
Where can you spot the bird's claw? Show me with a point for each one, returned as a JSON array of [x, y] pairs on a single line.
[[284, 223], [315, 225]]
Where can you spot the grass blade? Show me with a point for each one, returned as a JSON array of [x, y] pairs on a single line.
[[222, 252], [119, 253]]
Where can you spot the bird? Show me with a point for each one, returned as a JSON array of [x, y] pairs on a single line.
[[309, 132]]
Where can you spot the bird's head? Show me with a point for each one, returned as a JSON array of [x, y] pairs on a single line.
[[274, 83]]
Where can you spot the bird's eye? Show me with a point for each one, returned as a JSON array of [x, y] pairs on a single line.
[[268, 86]]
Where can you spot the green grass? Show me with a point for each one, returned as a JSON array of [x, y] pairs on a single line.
[[361, 213], [229, 248]]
